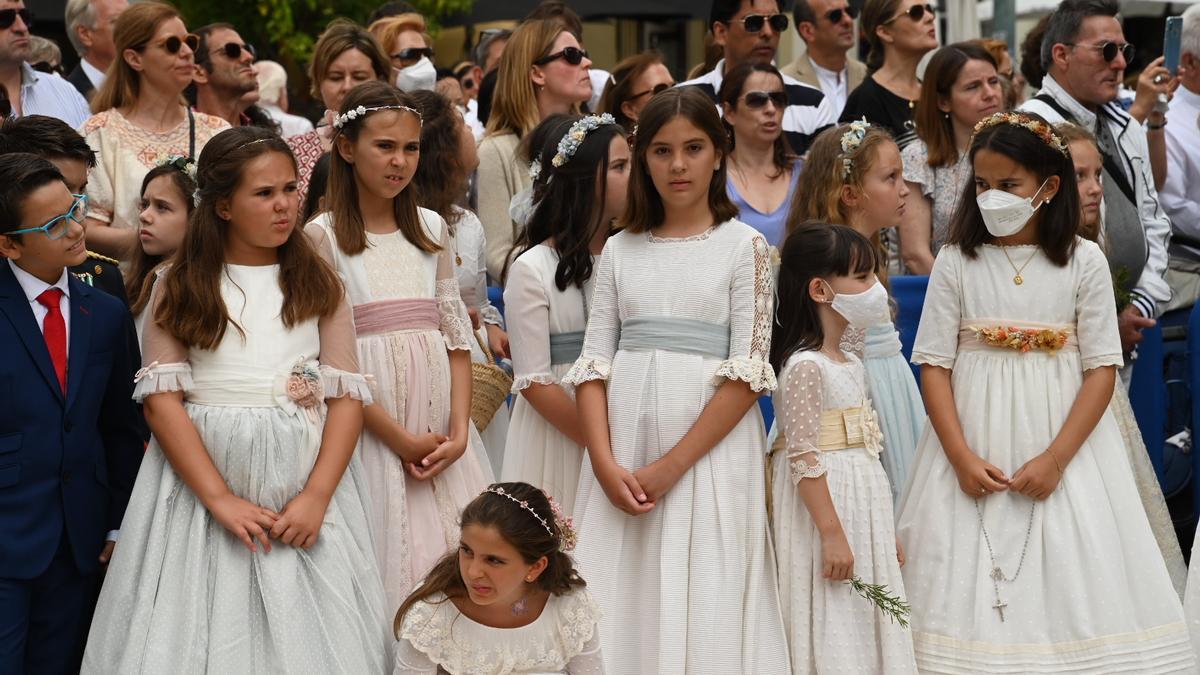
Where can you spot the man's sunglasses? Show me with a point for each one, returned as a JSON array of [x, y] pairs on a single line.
[[9, 16], [758, 99], [468, 84], [656, 89], [753, 23], [233, 51], [572, 55], [915, 13], [834, 16], [1109, 50], [46, 67], [173, 44], [413, 54]]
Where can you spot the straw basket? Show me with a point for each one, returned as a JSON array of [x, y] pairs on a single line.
[[490, 385]]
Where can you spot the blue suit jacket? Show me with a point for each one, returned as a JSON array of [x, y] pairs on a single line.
[[65, 462]]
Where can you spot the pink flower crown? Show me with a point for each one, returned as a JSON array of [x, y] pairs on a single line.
[[566, 526]]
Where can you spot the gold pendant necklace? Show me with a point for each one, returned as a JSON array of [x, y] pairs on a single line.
[[1017, 278]]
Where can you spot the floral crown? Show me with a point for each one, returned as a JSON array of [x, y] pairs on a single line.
[[566, 526], [851, 139], [569, 144], [1039, 128], [185, 165], [340, 121]]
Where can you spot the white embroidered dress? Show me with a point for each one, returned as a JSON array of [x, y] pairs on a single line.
[[539, 453], [690, 586], [831, 628], [1093, 594], [565, 639], [415, 521], [470, 265], [182, 593]]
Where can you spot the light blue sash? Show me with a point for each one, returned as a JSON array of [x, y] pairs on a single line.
[[686, 336], [565, 347]]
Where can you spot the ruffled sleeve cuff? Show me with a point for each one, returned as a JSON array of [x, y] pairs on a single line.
[[927, 359], [160, 378], [489, 314], [801, 469], [755, 372], [1102, 360], [338, 383], [522, 382], [586, 370]]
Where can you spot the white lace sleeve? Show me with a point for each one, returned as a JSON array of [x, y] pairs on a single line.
[[411, 661], [454, 322], [800, 419], [589, 661], [603, 326], [751, 308], [528, 326]]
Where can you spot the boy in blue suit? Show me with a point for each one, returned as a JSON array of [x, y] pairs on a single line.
[[69, 441]]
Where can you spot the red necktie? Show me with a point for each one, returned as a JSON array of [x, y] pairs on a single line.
[[54, 329]]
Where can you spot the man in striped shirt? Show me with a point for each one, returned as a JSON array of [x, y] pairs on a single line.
[[31, 92], [749, 30]]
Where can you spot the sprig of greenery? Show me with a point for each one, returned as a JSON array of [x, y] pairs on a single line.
[[892, 605]]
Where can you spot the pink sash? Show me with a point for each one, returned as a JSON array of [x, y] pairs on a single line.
[[389, 315]]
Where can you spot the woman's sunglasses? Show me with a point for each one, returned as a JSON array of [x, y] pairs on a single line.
[[233, 51], [173, 44], [916, 13], [753, 23], [572, 55], [1109, 50], [656, 89], [9, 16], [758, 99], [413, 54]]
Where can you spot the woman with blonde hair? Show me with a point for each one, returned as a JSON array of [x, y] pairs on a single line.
[[410, 48], [543, 71], [141, 119]]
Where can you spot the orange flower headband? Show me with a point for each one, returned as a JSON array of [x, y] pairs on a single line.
[[1039, 128]]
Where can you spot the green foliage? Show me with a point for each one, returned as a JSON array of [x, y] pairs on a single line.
[[289, 28], [892, 605]]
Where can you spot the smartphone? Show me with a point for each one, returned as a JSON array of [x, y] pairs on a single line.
[[1171, 44]]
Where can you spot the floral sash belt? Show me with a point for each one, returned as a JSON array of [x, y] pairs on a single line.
[[846, 428], [1023, 339]]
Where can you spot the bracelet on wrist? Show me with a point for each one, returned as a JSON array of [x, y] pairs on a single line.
[[1155, 127], [1056, 462]]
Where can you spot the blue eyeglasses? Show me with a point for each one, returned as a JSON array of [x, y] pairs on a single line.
[[58, 226]]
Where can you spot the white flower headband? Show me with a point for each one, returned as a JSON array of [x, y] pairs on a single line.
[[851, 139], [566, 527], [569, 144], [340, 121], [185, 165]]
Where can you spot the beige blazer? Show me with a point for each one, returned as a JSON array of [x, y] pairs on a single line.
[[802, 69]]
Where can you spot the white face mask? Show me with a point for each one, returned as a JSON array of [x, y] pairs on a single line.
[[420, 75], [863, 310], [1004, 213]]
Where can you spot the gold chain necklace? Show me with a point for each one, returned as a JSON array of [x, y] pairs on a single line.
[[1017, 278]]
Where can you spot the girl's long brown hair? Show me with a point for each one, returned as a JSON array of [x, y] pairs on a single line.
[[441, 178], [520, 529], [644, 210], [190, 307], [139, 279], [341, 198]]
